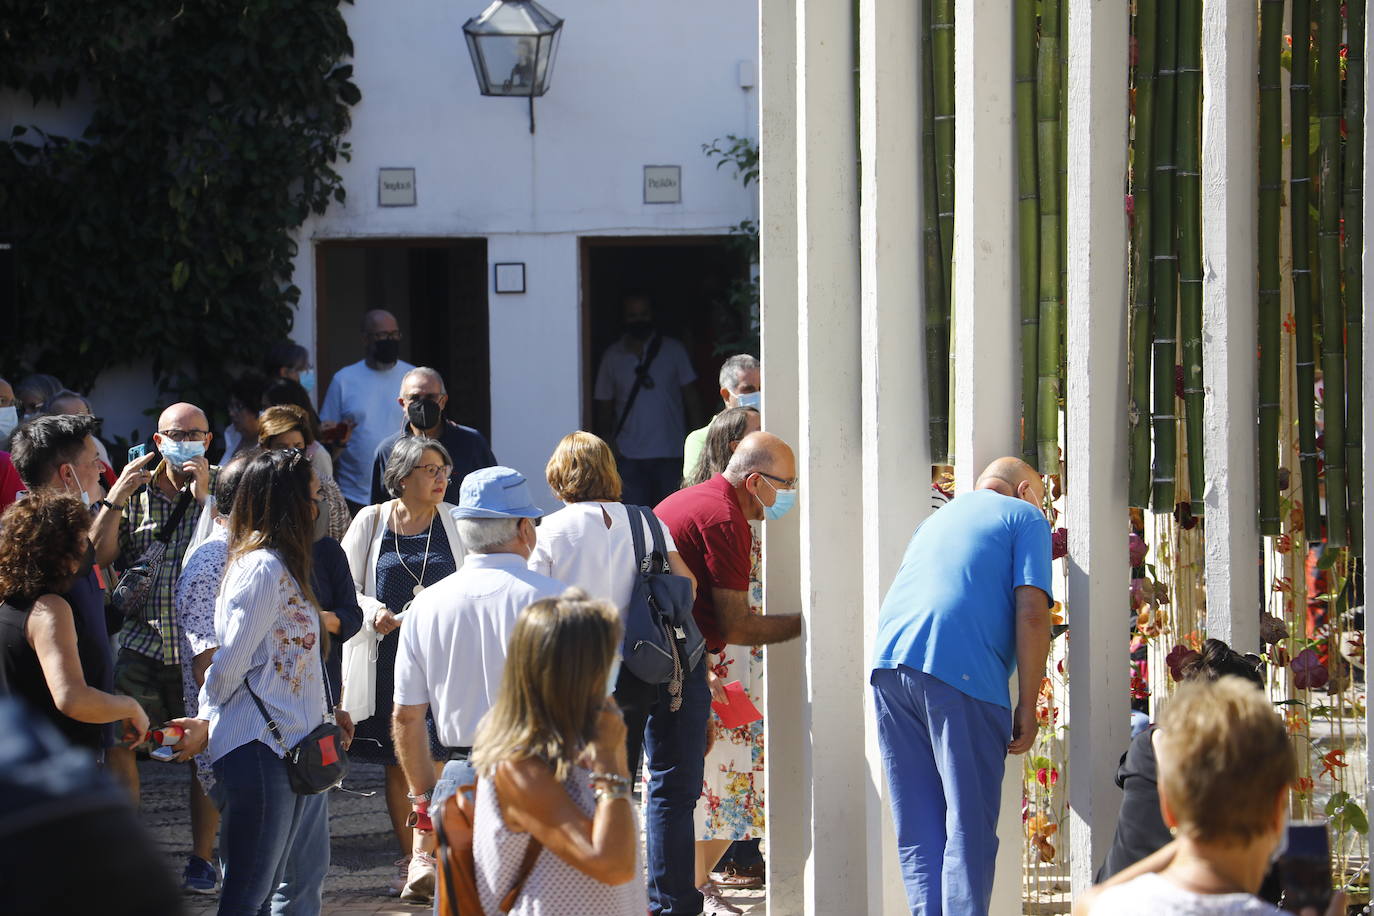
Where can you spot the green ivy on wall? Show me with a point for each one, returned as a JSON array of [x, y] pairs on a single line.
[[163, 234]]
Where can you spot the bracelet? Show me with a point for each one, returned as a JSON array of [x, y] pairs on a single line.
[[422, 797], [611, 779], [611, 793], [108, 505]]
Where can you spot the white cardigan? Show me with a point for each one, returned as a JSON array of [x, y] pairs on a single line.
[[362, 544]]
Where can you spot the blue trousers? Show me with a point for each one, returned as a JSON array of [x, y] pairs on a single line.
[[675, 745], [647, 481], [944, 753], [274, 843]]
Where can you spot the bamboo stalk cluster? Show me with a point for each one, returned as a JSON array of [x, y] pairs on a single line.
[[937, 155], [1165, 334]]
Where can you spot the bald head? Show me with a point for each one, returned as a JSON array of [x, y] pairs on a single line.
[[761, 453], [183, 416], [1013, 477], [379, 321]]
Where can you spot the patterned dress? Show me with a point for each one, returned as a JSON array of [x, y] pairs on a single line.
[[396, 589], [731, 805]]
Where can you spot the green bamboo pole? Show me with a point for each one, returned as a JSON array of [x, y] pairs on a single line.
[[1164, 263], [1142, 175], [1027, 224], [1190, 237], [942, 55], [1329, 245], [1270, 179], [1300, 225], [1354, 274], [936, 303], [1047, 98]]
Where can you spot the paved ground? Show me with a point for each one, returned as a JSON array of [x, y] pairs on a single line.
[[363, 847]]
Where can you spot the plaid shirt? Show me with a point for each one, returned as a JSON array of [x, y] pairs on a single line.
[[156, 633]]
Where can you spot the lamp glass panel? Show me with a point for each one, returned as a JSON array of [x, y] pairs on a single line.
[[510, 63]]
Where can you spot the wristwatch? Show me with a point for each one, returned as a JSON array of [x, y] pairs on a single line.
[[108, 505]]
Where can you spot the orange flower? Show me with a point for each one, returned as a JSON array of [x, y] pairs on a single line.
[[1296, 721], [1332, 761], [1304, 785]]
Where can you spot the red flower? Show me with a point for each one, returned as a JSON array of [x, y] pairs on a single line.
[[1138, 549], [1059, 543], [1140, 593], [1308, 671], [1303, 785], [1333, 761], [1176, 658], [1047, 777]]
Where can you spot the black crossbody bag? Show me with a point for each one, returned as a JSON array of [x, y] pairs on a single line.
[[319, 762], [131, 594]]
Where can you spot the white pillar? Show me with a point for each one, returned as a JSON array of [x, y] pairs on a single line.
[[830, 360], [986, 321], [896, 451], [1095, 428], [785, 725], [1229, 320], [1365, 303]]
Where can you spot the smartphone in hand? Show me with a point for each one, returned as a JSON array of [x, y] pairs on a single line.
[[1304, 868], [138, 451]]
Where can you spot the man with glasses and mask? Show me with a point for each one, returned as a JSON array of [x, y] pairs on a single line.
[[361, 397], [148, 667], [969, 604], [709, 523], [423, 398]]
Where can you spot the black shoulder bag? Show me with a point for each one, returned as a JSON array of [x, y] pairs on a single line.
[[319, 762], [662, 640], [642, 380], [132, 591]]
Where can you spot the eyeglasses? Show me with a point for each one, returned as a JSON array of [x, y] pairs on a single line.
[[383, 335], [184, 435], [437, 471], [787, 483]]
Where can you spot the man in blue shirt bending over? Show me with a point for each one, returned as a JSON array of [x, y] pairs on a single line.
[[969, 604]]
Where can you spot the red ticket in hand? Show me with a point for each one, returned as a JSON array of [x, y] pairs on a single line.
[[737, 711]]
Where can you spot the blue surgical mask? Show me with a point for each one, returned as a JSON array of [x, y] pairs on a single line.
[[9, 419], [783, 502], [178, 453], [753, 399], [308, 379], [613, 675]]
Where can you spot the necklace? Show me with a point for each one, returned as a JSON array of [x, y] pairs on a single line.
[[420, 579]]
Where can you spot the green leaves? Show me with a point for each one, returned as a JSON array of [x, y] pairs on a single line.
[[163, 234], [1346, 815]]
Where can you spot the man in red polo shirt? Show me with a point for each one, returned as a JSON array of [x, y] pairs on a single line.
[[710, 526]]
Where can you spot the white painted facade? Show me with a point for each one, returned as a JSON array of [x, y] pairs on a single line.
[[634, 84]]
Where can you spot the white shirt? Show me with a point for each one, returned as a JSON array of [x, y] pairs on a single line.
[[1150, 895], [452, 650], [576, 547], [367, 397], [656, 425]]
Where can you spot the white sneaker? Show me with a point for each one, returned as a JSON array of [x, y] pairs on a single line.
[[713, 904], [420, 879], [398, 883]]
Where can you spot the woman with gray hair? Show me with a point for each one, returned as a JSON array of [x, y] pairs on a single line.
[[396, 550]]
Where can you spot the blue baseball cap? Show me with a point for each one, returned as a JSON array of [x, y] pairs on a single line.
[[495, 492]]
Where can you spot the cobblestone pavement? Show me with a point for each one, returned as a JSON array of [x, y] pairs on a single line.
[[361, 837]]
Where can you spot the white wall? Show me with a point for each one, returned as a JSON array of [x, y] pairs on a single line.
[[636, 82]]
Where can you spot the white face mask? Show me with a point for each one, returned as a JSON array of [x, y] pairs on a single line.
[[84, 494], [9, 419]]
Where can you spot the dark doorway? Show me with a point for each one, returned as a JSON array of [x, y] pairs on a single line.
[[437, 289], [688, 278]]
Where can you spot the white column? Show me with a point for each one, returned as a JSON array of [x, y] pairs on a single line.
[[896, 451], [1095, 426], [830, 361], [1229, 319], [785, 722], [986, 321]]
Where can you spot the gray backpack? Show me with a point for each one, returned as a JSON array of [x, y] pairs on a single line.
[[662, 640]]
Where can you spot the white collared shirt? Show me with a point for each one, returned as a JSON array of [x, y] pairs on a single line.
[[452, 649]]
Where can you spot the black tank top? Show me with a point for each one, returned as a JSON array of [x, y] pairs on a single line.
[[21, 675]]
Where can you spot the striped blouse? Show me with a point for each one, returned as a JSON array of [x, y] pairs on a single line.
[[269, 634]]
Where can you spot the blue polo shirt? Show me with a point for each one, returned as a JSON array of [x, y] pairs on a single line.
[[951, 611]]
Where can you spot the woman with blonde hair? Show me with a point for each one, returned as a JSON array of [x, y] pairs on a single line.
[[551, 760], [288, 426], [589, 544]]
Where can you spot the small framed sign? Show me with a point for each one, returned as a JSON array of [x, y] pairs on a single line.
[[663, 184], [510, 277], [396, 187]]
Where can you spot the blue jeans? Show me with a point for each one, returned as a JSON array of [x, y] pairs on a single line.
[[274, 843], [675, 745], [944, 753], [456, 773], [647, 481]]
